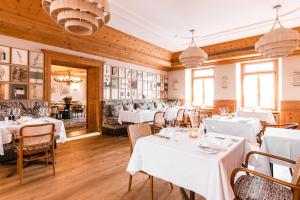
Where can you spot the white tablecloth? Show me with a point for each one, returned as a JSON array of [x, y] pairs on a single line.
[[281, 142], [8, 128], [136, 116], [243, 127], [262, 115], [182, 163]]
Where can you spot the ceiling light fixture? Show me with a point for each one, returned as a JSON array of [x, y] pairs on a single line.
[[192, 56], [279, 42], [68, 79], [79, 17]]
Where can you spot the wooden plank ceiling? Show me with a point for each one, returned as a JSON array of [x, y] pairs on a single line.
[[27, 20]]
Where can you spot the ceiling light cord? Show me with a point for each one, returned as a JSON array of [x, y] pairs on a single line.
[[277, 21], [193, 43]]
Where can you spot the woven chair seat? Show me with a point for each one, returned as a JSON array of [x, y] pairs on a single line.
[[254, 188], [31, 148]]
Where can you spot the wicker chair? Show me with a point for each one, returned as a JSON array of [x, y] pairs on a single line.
[[159, 122], [35, 142], [286, 126], [180, 117], [256, 186]]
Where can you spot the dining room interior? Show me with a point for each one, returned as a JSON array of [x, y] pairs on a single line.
[[106, 99]]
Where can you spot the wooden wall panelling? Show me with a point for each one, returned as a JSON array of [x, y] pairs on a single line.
[[290, 112], [231, 104], [18, 19]]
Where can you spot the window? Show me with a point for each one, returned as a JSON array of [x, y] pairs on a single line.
[[259, 85], [203, 87]]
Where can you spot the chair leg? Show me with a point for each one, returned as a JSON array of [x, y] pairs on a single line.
[[46, 158], [152, 190], [130, 181], [21, 169], [53, 160]]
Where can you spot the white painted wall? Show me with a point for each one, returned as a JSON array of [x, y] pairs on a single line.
[[290, 65], [179, 77], [228, 71]]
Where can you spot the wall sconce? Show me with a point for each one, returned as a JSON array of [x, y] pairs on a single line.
[[175, 85]]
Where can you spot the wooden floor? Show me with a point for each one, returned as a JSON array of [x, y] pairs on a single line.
[[91, 168]]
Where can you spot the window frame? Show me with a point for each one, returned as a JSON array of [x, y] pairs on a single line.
[[203, 86], [276, 79]]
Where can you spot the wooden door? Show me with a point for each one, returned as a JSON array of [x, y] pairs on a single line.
[[94, 94]]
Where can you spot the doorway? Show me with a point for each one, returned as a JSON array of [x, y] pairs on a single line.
[[93, 69]]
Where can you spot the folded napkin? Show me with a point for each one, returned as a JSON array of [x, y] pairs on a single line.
[[213, 144]]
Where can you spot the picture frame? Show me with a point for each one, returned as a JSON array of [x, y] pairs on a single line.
[[19, 74], [4, 91], [106, 94], [115, 72], [134, 84], [128, 84], [54, 89], [36, 59], [4, 73], [145, 76], [134, 94], [134, 74], [128, 73], [4, 54], [19, 91], [35, 92], [114, 83], [140, 75], [122, 94], [139, 85], [107, 81], [114, 94], [36, 75], [107, 70], [121, 72], [64, 89], [128, 94], [19, 56], [122, 83], [140, 94]]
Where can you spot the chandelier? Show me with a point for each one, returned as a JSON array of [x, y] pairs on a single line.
[[192, 56], [278, 42], [68, 79], [79, 17]]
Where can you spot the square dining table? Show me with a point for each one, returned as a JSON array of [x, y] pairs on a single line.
[[180, 160]]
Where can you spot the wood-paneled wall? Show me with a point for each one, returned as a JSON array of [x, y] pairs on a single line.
[[290, 112], [231, 104]]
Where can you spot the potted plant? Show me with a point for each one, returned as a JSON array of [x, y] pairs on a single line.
[[67, 99]]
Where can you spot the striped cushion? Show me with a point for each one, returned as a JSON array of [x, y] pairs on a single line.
[[253, 188]]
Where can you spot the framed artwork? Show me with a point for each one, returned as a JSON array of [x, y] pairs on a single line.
[[107, 82], [128, 73], [134, 74], [153, 94], [19, 91], [4, 73], [122, 72], [54, 89], [166, 86], [36, 92], [64, 89], [36, 59], [134, 94], [145, 94], [145, 85], [122, 94], [158, 86], [4, 91], [162, 88], [166, 79], [19, 56], [122, 83], [19, 74], [158, 94], [128, 94], [150, 94], [4, 54], [114, 72], [158, 78], [114, 83], [36, 75], [145, 78], [114, 93], [140, 94], [134, 84], [140, 85], [150, 77], [107, 70], [140, 75], [128, 84], [106, 93]]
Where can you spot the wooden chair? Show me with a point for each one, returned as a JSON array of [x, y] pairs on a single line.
[[35, 142], [135, 132], [159, 122], [262, 131], [180, 117], [255, 185]]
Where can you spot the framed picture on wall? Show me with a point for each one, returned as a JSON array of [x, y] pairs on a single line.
[[19, 56], [158, 78], [54, 89], [4, 91], [4, 54], [106, 94], [121, 72], [35, 92], [140, 85], [107, 81], [128, 94], [36, 75], [140, 75], [140, 94], [122, 83], [114, 83], [145, 94], [19, 74], [4, 73], [114, 94], [64, 89], [158, 94], [107, 70], [134, 94], [128, 84], [36, 59], [128, 73], [134, 84], [122, 94], [134, 74], [145, 76], [19, 91], [114, 72]]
